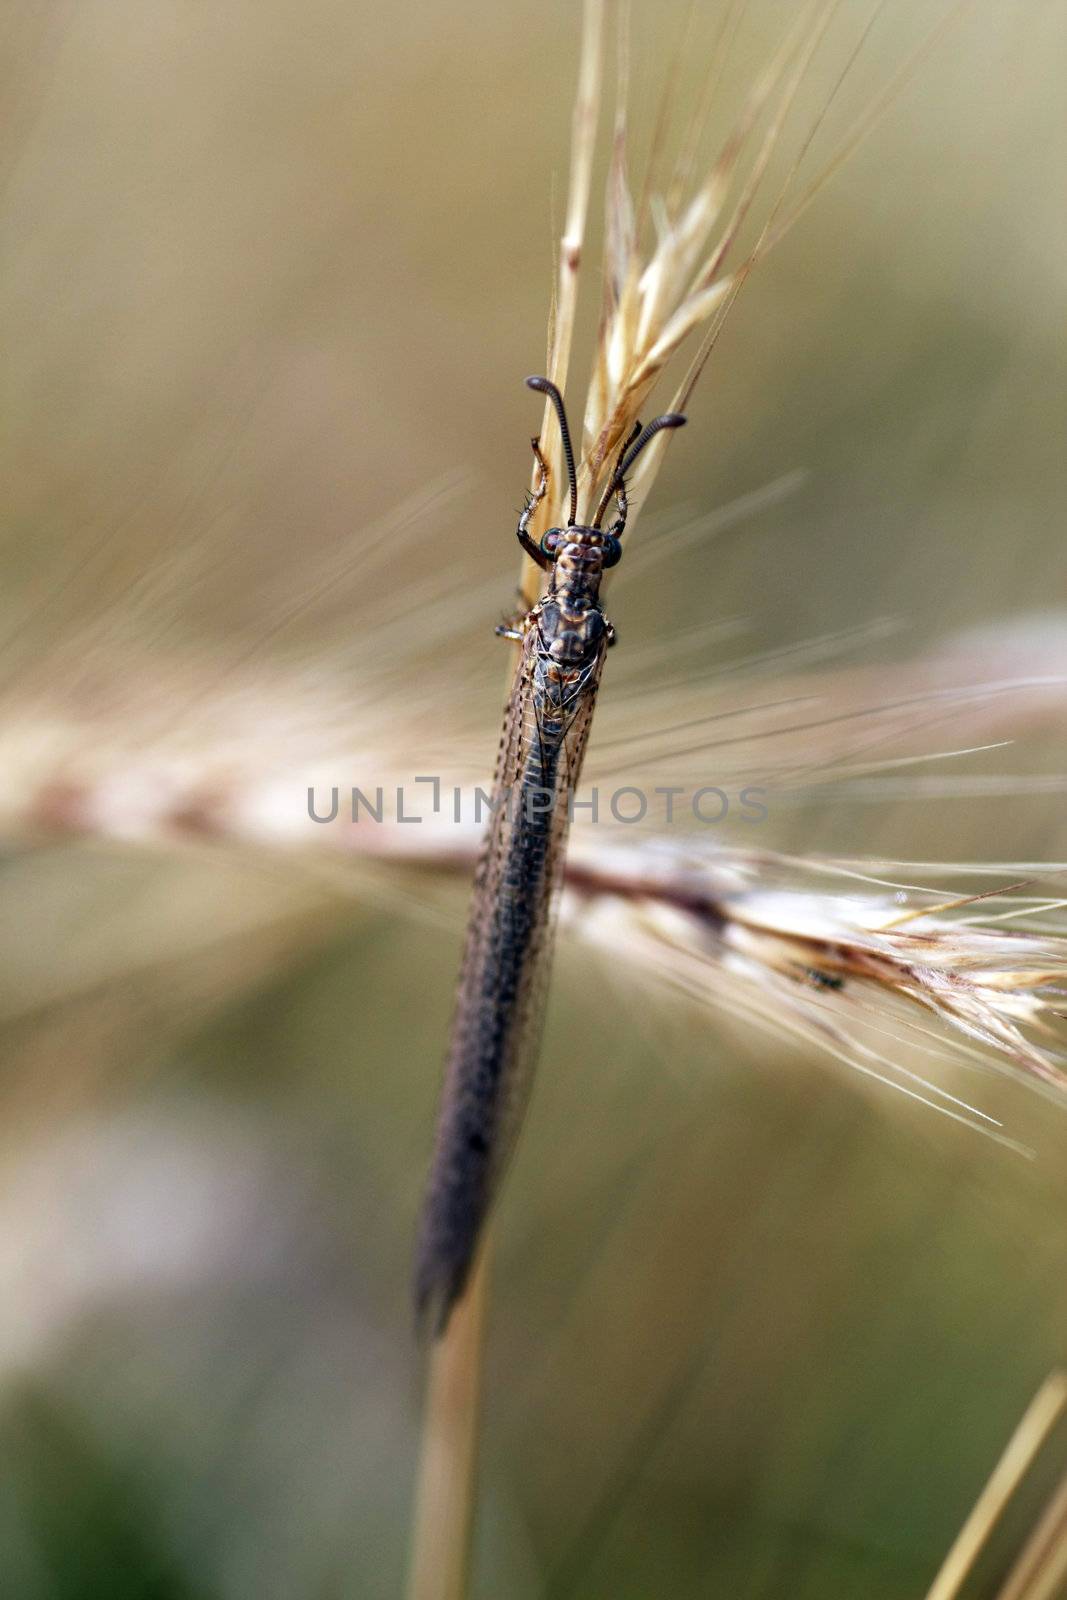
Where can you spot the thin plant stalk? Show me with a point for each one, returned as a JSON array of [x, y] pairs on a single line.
[[584, 125], [1041, 1570], [448, 1468], [1038, 1421], [448, 1461]]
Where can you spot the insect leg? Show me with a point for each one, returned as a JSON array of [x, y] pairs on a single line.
[[532, 549], [510, 624], [617, 485]]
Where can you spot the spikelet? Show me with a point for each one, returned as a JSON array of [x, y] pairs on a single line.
[[841, 962], [670, 272]]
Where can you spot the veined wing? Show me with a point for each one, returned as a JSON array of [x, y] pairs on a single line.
[[499, 1010]]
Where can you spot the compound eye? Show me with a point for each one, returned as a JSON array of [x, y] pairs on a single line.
[[550, 542], [612, 550]]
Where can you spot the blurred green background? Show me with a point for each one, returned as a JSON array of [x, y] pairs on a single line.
[[271, 271]]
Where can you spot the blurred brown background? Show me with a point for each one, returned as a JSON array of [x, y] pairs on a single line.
[[271, 272]]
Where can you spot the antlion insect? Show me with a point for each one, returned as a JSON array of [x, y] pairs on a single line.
[[655, 301], [496, 1029]]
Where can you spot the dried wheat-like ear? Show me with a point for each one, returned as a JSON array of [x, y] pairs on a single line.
[[670, 272], [655, 300], [840, 948], [867, 965]]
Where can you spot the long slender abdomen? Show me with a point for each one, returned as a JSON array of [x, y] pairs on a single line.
[[506, 941]]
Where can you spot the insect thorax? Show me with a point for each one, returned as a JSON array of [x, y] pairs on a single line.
[[570, 624]]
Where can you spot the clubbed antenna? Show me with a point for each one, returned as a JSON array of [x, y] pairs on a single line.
[[547, 387], [617, 483], [669, 419]]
